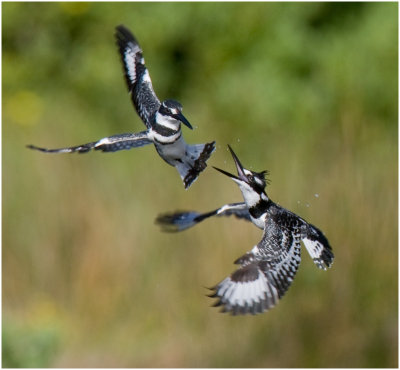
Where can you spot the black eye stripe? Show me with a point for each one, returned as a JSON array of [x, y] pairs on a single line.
[[164, 110]]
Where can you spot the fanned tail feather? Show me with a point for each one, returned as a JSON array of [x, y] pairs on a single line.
[[194, 162]]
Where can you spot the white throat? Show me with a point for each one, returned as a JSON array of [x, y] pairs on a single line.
[[250, 196]]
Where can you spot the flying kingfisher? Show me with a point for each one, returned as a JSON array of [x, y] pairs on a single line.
[[267, 271], [162, 119]]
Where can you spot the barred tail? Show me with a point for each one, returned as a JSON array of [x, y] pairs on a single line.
[[194, 162]]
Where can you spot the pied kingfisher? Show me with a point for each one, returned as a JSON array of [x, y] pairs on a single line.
[[163, 120], [266, 271]]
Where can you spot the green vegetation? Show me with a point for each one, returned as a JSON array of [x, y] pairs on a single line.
[[306, 90]]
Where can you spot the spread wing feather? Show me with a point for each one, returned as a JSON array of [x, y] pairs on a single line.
[[137, 76], [182, 220], [107, 144], [266, 272], [317, 246]]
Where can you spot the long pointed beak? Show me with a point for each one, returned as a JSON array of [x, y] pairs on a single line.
[[241, 175], [183, 119], [239, 166], [226, 173]]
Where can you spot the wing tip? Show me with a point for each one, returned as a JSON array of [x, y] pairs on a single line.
[[124, 34], [124, 37], [257, 297], [176, 221]]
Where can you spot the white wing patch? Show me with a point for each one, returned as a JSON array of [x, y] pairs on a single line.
[[137, 77], [129, 59], [146, 76], [315, 249], [104, 141], [254, 294]]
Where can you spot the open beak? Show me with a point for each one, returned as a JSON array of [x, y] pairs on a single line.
[[226, 173], [182, 118], [241, 175]]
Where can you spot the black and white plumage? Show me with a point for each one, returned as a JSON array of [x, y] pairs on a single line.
[[162, 119], [267, 271], [181, 220]]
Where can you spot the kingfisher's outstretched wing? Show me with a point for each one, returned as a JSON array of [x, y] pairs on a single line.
[[182, 220], [107, 144], [137, 76], [266, 271], [317, 246]]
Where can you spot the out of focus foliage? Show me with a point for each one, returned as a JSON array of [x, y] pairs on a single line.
[[306, 90]]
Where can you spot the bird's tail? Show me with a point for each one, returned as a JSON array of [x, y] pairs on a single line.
[[194, 162]]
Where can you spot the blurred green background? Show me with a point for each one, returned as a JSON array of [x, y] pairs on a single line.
[[306, 90]]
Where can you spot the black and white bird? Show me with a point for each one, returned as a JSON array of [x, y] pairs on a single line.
[[267, 271], [162, 119]]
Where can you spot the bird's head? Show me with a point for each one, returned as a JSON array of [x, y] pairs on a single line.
[[252, 184], [173, 109]]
